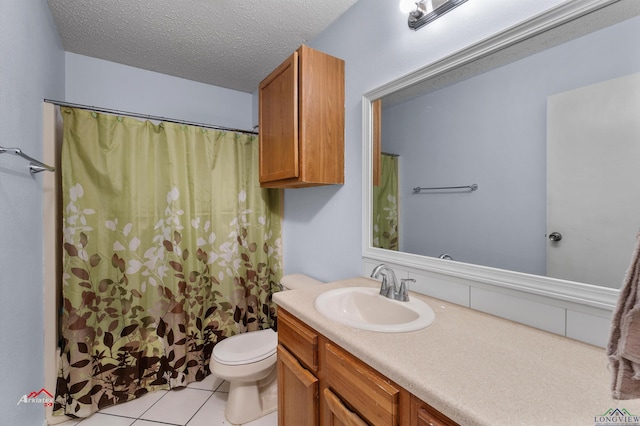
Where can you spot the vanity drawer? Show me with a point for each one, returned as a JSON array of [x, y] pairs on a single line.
[[425, 415], [299, 339], [363, 389]]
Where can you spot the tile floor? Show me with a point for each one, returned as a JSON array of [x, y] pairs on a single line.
[[196, 405]]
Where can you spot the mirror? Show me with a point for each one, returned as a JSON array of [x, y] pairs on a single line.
[[499, 115]]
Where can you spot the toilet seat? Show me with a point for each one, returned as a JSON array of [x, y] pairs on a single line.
[[246, 348]]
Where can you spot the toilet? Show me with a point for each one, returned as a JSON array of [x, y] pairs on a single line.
[[248, 362]]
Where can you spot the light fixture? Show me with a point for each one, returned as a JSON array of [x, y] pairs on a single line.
[[424, 11]]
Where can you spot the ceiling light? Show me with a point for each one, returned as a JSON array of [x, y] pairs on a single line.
[[424, 11]]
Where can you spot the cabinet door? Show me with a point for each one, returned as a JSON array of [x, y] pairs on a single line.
[[339, 414], [297, 392], [321, 118], [278, 120]]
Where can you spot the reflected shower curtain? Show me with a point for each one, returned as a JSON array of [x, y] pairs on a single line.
[[170, 245], [385, 205]]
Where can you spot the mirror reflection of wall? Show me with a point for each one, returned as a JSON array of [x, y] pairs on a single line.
[[492, 130]]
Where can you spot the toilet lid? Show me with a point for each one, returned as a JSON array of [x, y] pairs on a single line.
[[246, 347]]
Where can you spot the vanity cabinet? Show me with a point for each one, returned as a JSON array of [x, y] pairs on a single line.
[[320, 383], [297, 366], [301, 121]]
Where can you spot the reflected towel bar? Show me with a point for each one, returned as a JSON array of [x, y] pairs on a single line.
[[471, 187], [35, 166]]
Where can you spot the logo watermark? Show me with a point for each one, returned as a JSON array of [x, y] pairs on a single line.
[[617, 416], [41, 397]]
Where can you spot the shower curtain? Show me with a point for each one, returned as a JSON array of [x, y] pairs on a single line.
[[170, 245], [385, 205]]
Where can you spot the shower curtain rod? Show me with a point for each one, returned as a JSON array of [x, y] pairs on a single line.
[[149, 117]]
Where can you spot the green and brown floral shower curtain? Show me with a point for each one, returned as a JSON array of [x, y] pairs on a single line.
[[170, 245], [385, 205]]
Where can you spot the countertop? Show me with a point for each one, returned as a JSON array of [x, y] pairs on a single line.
[[476, 368]]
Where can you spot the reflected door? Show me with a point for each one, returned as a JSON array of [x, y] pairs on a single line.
[[593, 148]]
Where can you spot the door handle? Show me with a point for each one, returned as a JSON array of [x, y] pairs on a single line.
[[555, 236]]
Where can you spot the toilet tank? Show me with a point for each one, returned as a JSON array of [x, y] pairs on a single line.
[[296, 281]]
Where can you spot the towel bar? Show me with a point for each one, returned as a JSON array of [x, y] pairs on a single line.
[[471, 187], [35, 166]]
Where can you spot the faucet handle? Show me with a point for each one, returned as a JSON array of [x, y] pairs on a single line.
[[403, 293], [384, 286]]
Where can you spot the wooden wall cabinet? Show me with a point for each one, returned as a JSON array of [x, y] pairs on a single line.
[[301, 119], [319, 383]]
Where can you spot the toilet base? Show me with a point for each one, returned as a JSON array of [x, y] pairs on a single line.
[[248, 401]]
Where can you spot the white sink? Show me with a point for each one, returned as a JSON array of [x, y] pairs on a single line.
[[364, 308]]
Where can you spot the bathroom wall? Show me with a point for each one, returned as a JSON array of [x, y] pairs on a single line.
[[323, 226], [31, 69], [100, 83], [503, 223]]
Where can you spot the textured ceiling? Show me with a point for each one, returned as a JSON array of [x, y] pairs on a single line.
[[227, 43]]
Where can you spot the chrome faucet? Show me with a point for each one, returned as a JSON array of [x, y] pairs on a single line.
[[389, 287]]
